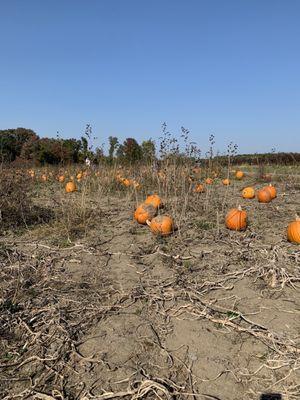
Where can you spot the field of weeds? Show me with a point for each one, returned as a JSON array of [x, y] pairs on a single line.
[[94, 306]]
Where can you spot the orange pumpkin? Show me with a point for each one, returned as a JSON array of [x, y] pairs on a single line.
[[272, 190], [79, 175], [71, 187], [239, 175], [226, 182], [31, 173], [162, 225], [155, 200], [199, 188], [44, 177], [127, 182], [208, 181], [144, 212], [236, 219], [264, 196], [248, 193], [61, 178], [293, 231]]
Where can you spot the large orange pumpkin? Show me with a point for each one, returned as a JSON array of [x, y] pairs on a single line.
[[239, 174], [264, 196], [293, 231], [162, 225], [248, 193], [236, 219], [71, 187], [272, 190], [155, 200], [144, 212]]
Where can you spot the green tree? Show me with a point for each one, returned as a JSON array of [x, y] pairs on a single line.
[[113, 145], [120, 152], [12, 141], [148, 150], [132, 150]]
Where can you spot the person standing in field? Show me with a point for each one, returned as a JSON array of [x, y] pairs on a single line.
[[88, 162]]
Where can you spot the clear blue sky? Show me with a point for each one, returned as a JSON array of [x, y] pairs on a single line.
[[228, 67]]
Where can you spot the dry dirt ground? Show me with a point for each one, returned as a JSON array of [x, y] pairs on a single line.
[[204, 314]]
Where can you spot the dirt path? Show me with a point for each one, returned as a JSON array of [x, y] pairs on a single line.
[[123, 313]]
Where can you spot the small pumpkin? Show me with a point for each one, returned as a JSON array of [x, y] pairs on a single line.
[[162, 225], [44, 177], [154, 200], [236, 219], [127, 182], [208, 181], [239, 175], [248, 193], [272, 190], [293, 231], [264, 196], [71, 187], [199, 188], [226, 182], [144, 212], [79, 176], [61, 178]]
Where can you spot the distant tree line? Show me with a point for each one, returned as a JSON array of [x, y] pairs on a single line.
[[24, 145], [20, 144], [264, 158]]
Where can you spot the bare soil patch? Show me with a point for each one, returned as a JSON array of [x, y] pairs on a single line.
[[118, 313]]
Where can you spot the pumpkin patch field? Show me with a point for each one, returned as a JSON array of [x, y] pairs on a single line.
[[144, 283]]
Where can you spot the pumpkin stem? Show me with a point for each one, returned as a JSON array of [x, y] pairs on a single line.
[[148, 222]]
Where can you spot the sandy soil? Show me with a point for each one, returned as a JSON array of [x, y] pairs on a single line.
[[204, 314]]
